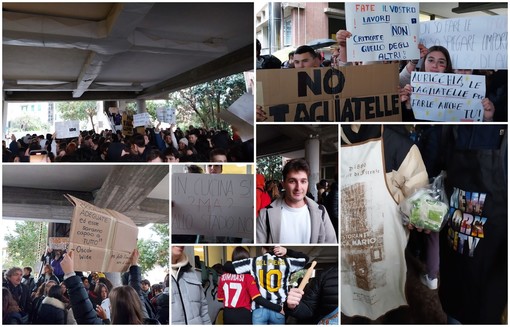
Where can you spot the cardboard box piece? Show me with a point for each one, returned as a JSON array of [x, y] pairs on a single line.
[[102, 239], [345, 94]]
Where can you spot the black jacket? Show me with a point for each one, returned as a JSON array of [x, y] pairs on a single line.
[[83, 310], [320, 298], [51, 312]]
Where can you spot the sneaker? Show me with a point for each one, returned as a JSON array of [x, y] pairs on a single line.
[[430, 283]]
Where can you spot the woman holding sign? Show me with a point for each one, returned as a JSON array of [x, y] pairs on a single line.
[[437, 60], [126, 306]]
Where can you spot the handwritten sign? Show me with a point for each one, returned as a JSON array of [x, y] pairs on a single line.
[[127, 124], [212, 205], [67, 129], [166, 115], [58, 243], [473, 42], [447, 97], [102, 239], [344, 94], [382, 31], [143, 119]]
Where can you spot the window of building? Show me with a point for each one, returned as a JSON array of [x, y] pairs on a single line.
[[287, 32]]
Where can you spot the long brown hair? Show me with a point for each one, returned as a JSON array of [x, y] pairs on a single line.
[[126, 306], [8, 303], [444, 51]]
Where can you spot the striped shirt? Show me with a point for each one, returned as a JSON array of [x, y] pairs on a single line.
[[271, 273]]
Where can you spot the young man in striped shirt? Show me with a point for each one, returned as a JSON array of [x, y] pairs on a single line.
[[271, 271]]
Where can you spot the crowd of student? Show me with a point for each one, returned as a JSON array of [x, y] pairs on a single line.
[[154, 145], [78, 299]]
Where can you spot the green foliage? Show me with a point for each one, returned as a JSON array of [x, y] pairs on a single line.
[[78, 110], [22, 244], [200, 105], [271, 167], [155, 251], [28, 123]]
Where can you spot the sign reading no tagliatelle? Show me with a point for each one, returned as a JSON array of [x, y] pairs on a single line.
[[447, 97], [212, 205], [382, 31], [345, 94], [473, 42]]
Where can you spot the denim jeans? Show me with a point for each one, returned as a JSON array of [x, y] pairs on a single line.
[[264, 316], [452, 321]]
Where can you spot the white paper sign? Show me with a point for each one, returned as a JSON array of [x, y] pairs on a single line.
[[166, 115], [240, 115], [382, 31], [67, 129], [143, 119], [212, 205], [447, 97], [473, 42]]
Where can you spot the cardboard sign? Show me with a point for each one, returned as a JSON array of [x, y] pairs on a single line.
[[166, 115], [212, 205], [447, 97], [382, 31], [346, 94], [58, 243], [102, 239], [143, 119], [473, 42], [127, 124], [67, 129]]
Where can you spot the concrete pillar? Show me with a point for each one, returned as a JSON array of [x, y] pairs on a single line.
[[4, 123], [141, 106], [312, 156], [114, 277]]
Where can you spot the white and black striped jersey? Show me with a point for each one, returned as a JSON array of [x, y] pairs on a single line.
[[271, 274]]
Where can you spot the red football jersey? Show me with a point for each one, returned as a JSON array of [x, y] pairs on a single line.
[[237, 290]]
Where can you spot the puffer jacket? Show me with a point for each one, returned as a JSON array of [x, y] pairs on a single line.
[[52, 312], [189, 306], [320, 298], [83, 310]]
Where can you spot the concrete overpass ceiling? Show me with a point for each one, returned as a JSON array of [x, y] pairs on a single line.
[[61, 177], [280, 139], [121, 50], [37, 191]]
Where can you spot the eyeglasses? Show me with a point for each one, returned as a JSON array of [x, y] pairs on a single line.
[[439, 62]]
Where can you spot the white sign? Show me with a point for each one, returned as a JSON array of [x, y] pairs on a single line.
[[447, 97], [166, 115], [143, 119], [240, 116], [473, 42], [382, 31], [213, 205], [67, 129]]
